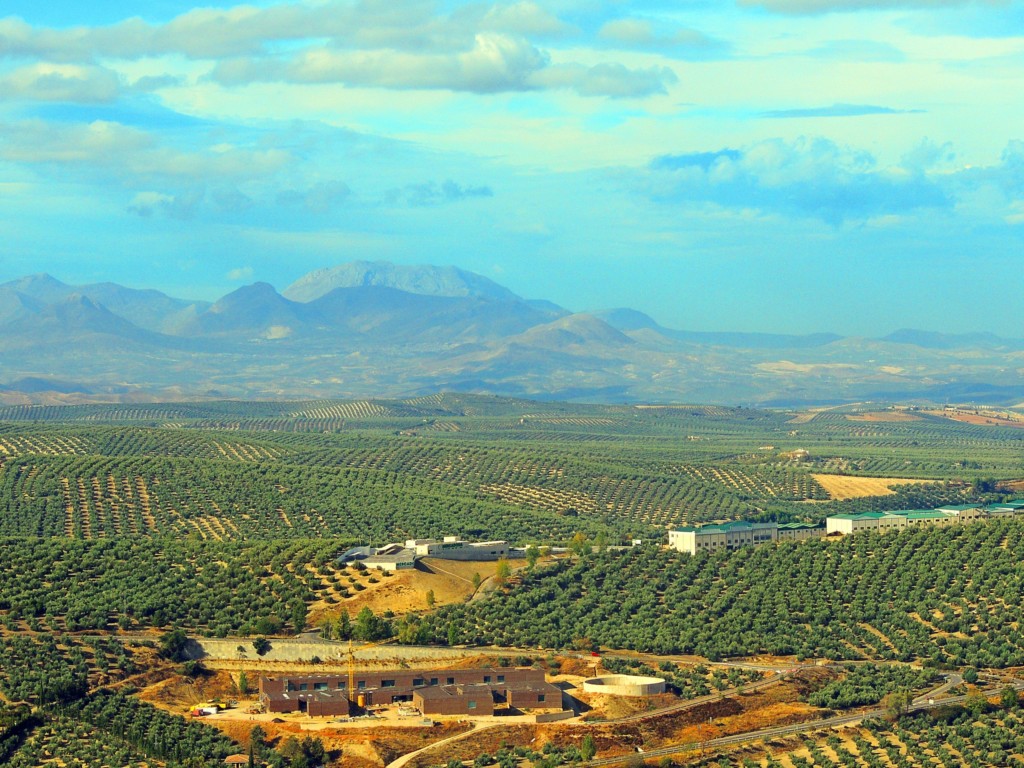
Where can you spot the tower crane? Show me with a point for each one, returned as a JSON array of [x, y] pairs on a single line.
[[351, 655]]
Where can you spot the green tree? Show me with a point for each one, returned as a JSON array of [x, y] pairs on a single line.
[[327, 629], [314, 751], [579, 545], [243, 683], [431, 600], [290, 749], [368, 626], [172, 645], [298, 616], [588, 748], [262, 645], [1009, 698], [476, 581], [257, 736], [897, 703], [532, 555], [503, 572], [344, 630], [976, 703]]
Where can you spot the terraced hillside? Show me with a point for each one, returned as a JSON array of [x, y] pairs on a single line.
[[465, 465], [943, 597], [952, 737], [226, 518]]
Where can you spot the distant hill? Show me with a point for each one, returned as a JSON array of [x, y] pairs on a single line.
[[932, 340], [253, 311], [632, 320], [146, 308], [424, 280], [373, 329], [73, 319]]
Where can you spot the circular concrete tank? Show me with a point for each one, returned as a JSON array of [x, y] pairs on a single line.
[[625, 685]]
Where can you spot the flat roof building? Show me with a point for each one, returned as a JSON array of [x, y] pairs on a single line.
[[322, 694], [471, 699], [454, 548], [738, 533], [800, 531], [394, 560], [396, 556], [1006, 508], [952, 514]]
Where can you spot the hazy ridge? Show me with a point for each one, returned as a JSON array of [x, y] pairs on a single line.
[[373, 329]]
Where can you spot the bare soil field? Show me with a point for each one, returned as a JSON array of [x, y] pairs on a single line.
[[984, 418], [779, 704], [841, 487], [805, 417], [177, 694], [873, 416], [406, 591], [375, 743], [367, 744]]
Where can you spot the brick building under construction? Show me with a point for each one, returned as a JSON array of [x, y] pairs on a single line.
[[433, 692]]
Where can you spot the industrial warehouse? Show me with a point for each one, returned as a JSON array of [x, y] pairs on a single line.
[[739, 533], [745, 533], [910, 518], [397, 557], [479, 691]]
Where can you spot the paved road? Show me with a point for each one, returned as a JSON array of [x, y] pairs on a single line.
[[693, 703], [404, 759], [952, 681], [785, 730]]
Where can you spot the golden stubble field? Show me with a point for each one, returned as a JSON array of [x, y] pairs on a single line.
[[406, 591], [841, 487]]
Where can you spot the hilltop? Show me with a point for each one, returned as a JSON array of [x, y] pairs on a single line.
[[374, 329]]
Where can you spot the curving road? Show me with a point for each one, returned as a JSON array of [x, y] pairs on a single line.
[[784, 730], [404, 759]]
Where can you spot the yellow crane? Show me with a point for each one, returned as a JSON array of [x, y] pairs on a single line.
[[351, 653]]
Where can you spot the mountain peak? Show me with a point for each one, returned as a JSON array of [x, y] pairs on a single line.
[[41, 286], [420, 279]]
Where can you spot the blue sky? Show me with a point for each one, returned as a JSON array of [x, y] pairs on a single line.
[[779, 165]]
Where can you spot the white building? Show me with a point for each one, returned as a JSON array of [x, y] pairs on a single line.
[[453, 548], [729, 536]]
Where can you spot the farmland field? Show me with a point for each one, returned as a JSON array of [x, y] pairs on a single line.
[[949, 739], [841, 487], [514, 469], [226, 518]]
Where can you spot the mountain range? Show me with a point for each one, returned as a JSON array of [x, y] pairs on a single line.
[[374, 329]]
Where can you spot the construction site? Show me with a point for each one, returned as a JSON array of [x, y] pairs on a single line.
[[418, 720]]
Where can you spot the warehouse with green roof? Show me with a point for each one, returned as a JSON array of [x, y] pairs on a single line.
[[739, 533]]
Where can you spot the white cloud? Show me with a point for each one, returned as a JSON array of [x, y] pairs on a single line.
[[210, 33], [240, 274], [494, 63], [67, 83], [393, 44], [524, 18], [641, 34], [179, 206], [320, 198], [131, 152], [827, 6], [431, 193], [808, 177], [613, 80]]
